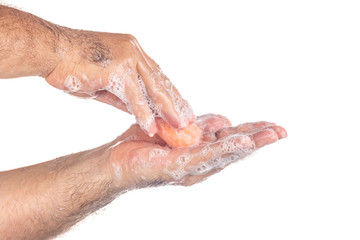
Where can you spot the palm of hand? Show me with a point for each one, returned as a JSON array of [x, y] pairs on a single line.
[[142, 160]]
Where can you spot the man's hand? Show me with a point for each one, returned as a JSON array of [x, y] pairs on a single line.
[[139, 160], [111, 68], [46, 199]]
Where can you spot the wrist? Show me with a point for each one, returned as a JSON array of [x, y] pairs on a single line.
[[28, 44], [133, 168], [62, 47], [121, 174], [80, 54]]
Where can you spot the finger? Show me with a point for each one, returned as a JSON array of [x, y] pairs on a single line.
[[162, 101], [109, 98], [264, 137], [281, 132], [219, 154], [146, 57], [207, 157], [166, 98], [139, 104], [248, 127], [126, 87], [244, 128], [211, 123], [225, 151]]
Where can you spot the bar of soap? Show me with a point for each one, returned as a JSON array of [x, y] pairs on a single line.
[[176, 138]]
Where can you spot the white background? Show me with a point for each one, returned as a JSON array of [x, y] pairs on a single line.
[[295, 63]]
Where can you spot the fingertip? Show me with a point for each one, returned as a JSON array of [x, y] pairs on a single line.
[[148, 126], [192, 117], [170, 116], [152, 129], [178, 122], [185, 114], [174, 122], [280, 131]]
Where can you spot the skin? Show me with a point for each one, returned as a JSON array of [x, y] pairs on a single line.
[[46, 199], [84, 63]]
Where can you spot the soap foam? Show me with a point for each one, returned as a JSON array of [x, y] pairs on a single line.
[[219, 155], [156, 152], [145, 124], [179, 172], [118, 171], [72, 83], [210, 123], [212, 156], [182, 107], [116, 85], [155, 108]]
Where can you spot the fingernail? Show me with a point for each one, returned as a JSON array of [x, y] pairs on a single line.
[[281, 132]]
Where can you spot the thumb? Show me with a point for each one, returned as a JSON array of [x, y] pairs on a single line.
[[109, 98]]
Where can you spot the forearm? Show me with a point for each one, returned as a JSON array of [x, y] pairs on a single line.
[[44, 200], [31, 46], [28, 44]]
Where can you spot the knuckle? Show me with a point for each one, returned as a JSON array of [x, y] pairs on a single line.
[[131, 40], [130, 37]]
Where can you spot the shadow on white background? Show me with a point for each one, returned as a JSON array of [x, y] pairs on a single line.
[[295, 63]]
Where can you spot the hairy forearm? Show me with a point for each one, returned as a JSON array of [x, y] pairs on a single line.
[[28, 44], [31, 46], [44, 200]]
